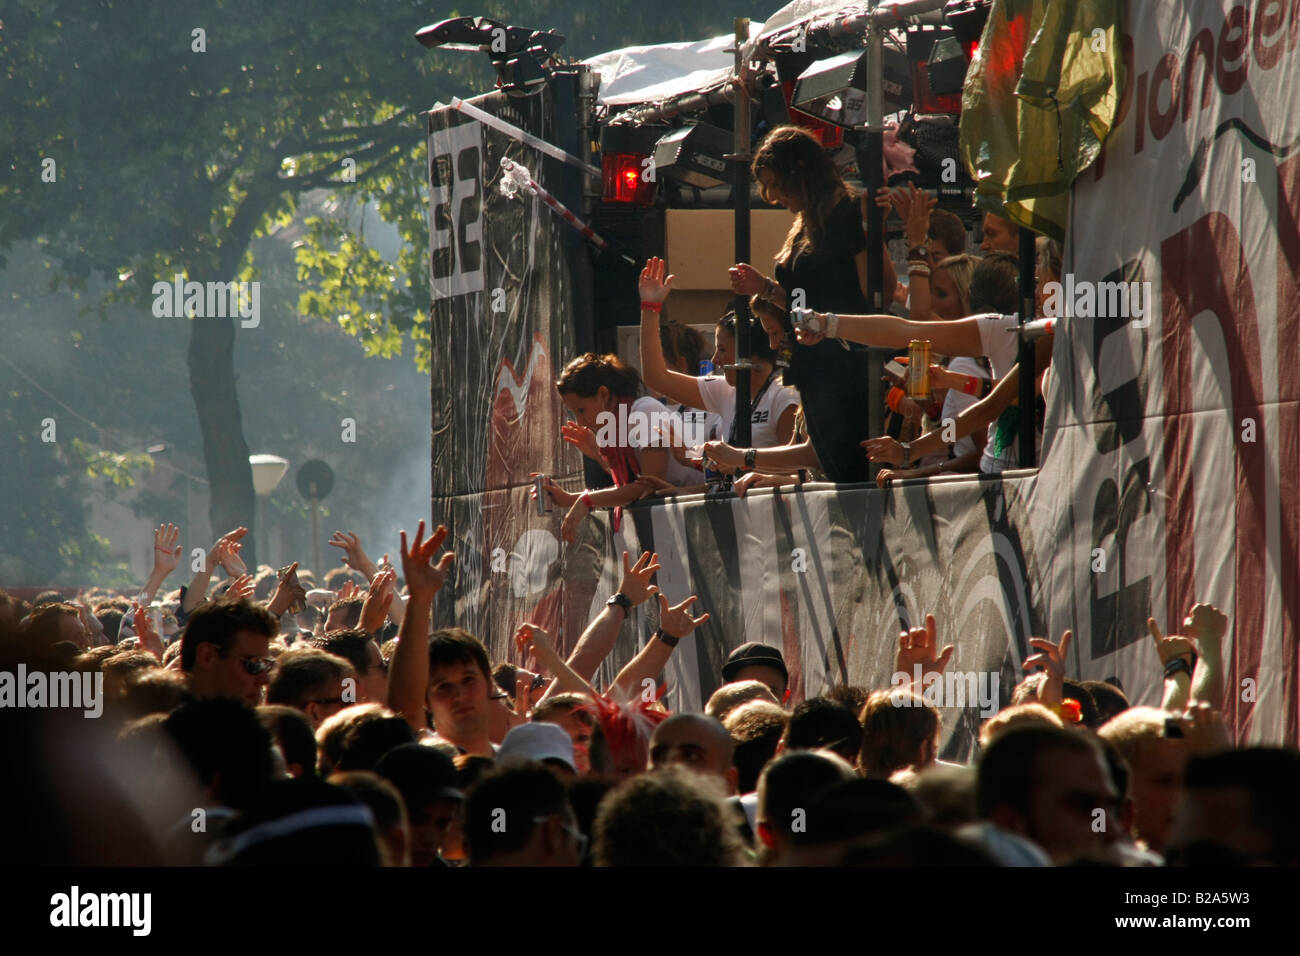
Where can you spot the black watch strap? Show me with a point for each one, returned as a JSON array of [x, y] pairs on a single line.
[[1176, 665], [666, 637], [620, 600]]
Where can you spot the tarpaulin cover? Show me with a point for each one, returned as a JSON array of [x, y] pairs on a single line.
[[1039, 100]]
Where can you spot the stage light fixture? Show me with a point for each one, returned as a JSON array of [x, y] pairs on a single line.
[[695, 155], [834, 90]]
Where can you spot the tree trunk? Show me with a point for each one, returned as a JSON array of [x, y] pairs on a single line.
[[212, 384]]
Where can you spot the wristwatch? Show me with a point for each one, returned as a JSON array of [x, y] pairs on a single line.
[[919, 252], [620, 600], [666, 637], [750, 456], [907, 453]]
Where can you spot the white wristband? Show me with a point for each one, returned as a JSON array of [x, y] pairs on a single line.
[[832, 324]]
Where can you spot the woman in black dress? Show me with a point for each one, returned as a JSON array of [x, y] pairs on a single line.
[[822, 266]]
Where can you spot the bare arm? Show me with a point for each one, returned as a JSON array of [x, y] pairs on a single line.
[[408, 674], [530, 638], [598, 639], [676, 623], [780, 458], [961, 337]]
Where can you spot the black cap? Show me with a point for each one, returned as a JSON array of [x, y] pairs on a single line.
[[421, 774], [753, 653]]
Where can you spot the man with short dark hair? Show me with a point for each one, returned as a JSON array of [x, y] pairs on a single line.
[[293, 734], [225, 650], [313, 682], [231, 757], [1048, 784], [947, 235], [360, 650], [786, 789], [460, 679], [822, 722], [344, 614], [520, 816]]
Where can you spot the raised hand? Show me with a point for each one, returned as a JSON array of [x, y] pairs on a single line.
[[424, 579], [348, 589], [1204, 729], [746, 280], [1051, 657], [288, 593], [636, 578], [1172, 647], [916, 647], [584, 439], [374, 611], [226, 553], [884, 449], [166, 552], [354, 556], [916, 220], [531, 639], [676, 621], [1205, 624], [652, 285], [241, 587], [149, 638]]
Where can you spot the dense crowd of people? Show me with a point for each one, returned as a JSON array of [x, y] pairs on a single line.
[[262, 717], [264, 720]]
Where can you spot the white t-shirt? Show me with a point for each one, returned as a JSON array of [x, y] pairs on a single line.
[[652, 424], [698, 427], [720, 398], [1002, 348], [954, 403]]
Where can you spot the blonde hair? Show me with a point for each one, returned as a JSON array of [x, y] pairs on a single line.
[[960, 268], [1020, 715], [728, 697], [1132, 730]]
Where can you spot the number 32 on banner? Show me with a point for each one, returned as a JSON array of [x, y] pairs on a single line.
[[455, 211]]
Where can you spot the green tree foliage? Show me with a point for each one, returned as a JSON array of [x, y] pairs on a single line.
[[153, 138]]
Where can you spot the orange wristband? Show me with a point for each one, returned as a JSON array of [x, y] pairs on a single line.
[[894, 399]]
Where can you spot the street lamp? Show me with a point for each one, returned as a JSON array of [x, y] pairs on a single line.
[[267, 472]]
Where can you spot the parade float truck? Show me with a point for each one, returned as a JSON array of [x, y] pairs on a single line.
[[1169, 471]]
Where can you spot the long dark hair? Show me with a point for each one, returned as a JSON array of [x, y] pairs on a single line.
[[802, 168], [758, 344], [585, 375]]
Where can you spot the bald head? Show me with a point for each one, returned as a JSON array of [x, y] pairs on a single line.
[[697, 742]]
